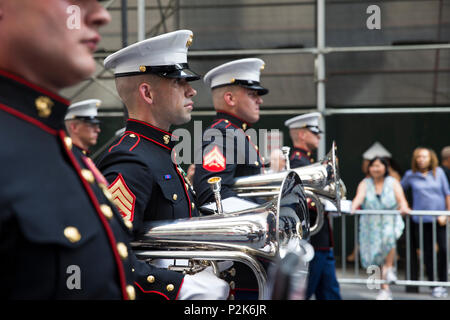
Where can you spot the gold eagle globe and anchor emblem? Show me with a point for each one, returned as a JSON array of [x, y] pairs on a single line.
[[44, 106]]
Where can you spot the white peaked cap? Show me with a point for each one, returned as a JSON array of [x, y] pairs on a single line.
[[376, 150], [307, 120], [86, 109], [243, 72], [164, 55]]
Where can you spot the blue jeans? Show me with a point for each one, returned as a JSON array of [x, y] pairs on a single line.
[[322, 277]]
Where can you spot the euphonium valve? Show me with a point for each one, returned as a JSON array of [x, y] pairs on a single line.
[[285, 151], [216, 186]]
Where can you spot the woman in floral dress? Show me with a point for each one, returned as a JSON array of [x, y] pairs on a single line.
[[378, 234]]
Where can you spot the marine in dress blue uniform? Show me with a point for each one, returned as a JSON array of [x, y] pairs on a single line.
[[228, 129], [82, 124], [322, 280], [56, 210], [140, 166]]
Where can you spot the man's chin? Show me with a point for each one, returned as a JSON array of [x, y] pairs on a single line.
[[84, 66], [182, 120], [253, 120]]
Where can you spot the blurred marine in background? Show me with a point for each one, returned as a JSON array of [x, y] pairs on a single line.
[[60, 237], [305, 134], [82, 124]]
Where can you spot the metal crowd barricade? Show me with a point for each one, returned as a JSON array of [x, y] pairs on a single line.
[[359, 278]]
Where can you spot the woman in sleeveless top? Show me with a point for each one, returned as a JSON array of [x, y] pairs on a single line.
[[378, 234]]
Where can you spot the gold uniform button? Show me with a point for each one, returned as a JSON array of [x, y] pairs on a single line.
[[226, 121], [192, 205], [128, 224], [72, 234], [88, 175], [244, 126], [175, 196], [132, 135], [106, 210], [170, 287], [256, 163], [122, 249], [68, 142], [189, 41], [312, 160], [150, 279], [106, 192], [131, 292]]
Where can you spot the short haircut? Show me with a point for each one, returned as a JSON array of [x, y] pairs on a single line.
[[445, 153], [383, 161]]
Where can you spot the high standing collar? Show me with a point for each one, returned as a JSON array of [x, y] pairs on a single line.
[[304, 152], [20, 96], [158, 136], [237, 122]]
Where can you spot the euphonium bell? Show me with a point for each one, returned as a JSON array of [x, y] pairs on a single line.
[[320, 180]]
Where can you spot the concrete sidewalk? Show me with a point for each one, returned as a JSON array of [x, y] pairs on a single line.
[[362, 292]]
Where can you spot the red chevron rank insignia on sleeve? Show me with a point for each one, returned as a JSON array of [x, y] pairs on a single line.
[[123, 198], [214, 160]]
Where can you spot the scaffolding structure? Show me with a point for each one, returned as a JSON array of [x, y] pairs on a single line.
[[167, 15]]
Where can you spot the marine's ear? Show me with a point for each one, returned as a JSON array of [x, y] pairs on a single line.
[[146, 92]]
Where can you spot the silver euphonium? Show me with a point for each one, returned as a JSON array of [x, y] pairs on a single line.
[[268, 231], [321, 181]]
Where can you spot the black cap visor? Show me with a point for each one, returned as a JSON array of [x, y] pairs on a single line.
[[261, 90], [252, 85], [93, 120], [176, 71], [187, 74], [314, 129]]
